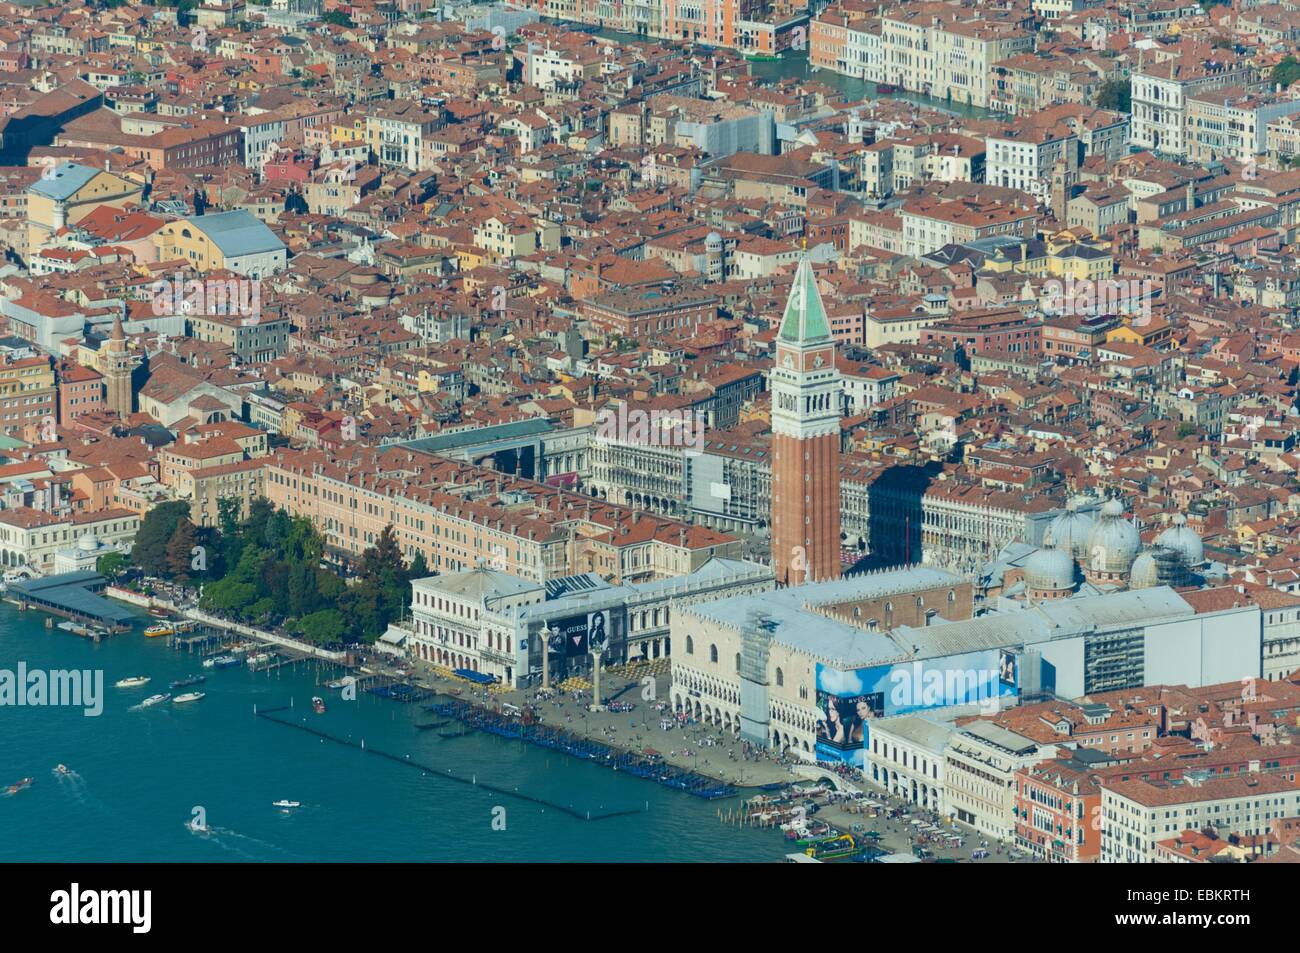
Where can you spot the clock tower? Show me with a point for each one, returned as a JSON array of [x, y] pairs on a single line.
[[807, 403]]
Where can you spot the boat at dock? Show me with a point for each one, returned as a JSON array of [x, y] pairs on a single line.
[[187, 697], [135, 681], [259, 658], [225, 661], [835, 848], [339, 682], [188, 681], [886, 89], [161, 629], [76, 628], [318, 705]]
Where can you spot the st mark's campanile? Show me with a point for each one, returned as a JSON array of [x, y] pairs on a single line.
[[806, 410]]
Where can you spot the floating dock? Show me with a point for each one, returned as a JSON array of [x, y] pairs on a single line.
[[73, 595]]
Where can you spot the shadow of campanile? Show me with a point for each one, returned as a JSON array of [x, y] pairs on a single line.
[[896, 519]]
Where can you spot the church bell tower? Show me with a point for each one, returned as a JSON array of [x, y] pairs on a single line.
[[807, 404]]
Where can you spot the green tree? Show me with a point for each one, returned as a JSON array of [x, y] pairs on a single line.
[[1286, 72], [323, 627], [302, 593], [156, 530], [418, 568], [337, 18], [383, 560], [228, 597], [1117, 95], [180, 551], [1186, 429], [261, 612], [112, 565], [225, 548]]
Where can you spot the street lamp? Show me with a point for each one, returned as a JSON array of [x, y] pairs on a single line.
[[546, 655]]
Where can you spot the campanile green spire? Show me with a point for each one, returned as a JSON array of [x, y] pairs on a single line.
[[804, 321]]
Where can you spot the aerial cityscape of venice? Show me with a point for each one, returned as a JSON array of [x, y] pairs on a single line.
[[649, 431]]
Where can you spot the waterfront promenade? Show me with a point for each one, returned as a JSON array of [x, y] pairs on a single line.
[[695, 747]]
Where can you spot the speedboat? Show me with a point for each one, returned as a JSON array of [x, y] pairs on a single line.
[[162, 628], [187, 697], [338, 683], [62, 770], [153, 700], [227, 661], [318, 705], [135, 681], [286, 805], [187, 681], [22, 785]]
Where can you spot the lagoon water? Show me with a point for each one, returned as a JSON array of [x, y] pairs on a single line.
[[140, 776]]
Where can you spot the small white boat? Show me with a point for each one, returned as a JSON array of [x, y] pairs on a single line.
[[153, 700], [187, 697], [62, 770], [134, 681], [286, 805]]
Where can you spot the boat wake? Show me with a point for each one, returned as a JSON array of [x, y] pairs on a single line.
[[230, 840], [79, 789], [217, 835]]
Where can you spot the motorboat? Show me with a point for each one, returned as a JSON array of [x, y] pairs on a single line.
[[187, 681], [227, 661], [187, 697], [318, 705], [135, 681], [161, 629], [209, 663], [286, 805], [153, 700], [62, 770], [22, 785]]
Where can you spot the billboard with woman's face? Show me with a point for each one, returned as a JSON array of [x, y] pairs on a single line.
[[848, 701]]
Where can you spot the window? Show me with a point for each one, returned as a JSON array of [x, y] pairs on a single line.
[[690, 645], [780, 677], [713, 653]]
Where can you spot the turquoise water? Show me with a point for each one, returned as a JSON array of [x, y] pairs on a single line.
[[140, 775]]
